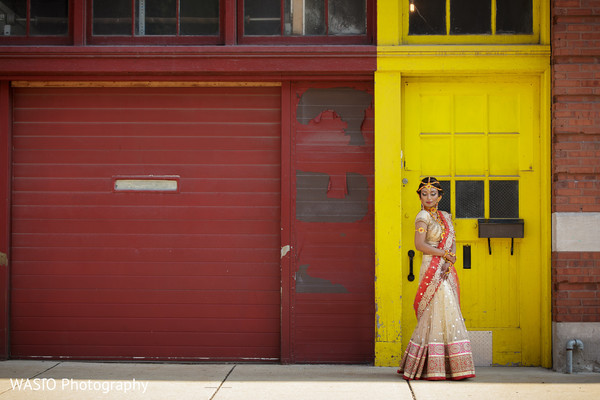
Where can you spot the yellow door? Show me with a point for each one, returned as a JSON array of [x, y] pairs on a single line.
[[481, 139]]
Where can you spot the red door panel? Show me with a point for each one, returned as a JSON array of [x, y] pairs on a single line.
[[333, 228]]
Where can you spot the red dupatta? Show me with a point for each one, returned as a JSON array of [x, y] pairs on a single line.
[[433, 276]]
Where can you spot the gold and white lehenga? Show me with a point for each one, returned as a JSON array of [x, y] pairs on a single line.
[[439, 347]]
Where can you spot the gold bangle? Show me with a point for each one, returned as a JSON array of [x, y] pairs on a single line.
[[447, 253], [421, 229]]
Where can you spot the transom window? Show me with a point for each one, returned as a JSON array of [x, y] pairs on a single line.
[[147, 20], [38, 19], [207, 21], [471, 21], [187, 21], [305, 17]]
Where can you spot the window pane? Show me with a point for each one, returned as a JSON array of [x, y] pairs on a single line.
[[514, 16], [444, 204], [305, 17], [112, 17], [15, 22], [427, 18], [262, 17], [470, 199], [504, 199], [49, 17], [347, 17], [199, 17], [315, 17], [470, 17], [156, 17]]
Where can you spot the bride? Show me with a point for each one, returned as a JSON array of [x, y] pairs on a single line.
[[439, 347]]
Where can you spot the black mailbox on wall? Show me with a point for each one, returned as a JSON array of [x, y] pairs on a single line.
[[501, 228]]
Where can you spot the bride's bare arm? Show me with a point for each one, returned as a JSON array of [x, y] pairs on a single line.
[[421, 245]]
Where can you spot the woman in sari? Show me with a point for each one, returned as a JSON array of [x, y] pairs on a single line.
[[439, 347]]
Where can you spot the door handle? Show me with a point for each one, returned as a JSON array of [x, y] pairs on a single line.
[[411, 255]]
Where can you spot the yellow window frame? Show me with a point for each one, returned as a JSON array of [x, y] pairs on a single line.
[[492, 38]]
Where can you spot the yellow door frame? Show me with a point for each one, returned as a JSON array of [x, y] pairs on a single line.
[[394, 64]]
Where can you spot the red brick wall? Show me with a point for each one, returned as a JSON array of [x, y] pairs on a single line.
[[576, 150], [576, 287]]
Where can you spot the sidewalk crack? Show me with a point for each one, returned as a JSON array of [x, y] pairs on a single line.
[[46, 370], [221, 385], [412, 393]]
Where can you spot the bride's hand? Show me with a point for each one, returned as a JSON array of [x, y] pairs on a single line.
[[445, 269]]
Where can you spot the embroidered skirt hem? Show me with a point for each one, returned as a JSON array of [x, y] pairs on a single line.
[[436, 361]]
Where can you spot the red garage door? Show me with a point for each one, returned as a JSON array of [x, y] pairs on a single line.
[[146, 223]]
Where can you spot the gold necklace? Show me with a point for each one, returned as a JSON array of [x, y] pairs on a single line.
[[433, 211]]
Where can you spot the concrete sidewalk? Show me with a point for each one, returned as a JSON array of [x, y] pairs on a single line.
[[87, 380]]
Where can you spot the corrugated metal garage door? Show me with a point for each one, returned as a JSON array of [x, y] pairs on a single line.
[[99, 273]]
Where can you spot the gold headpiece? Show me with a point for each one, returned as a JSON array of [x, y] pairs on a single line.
[[428, 186]]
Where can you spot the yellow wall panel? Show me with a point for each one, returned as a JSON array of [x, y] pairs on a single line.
[[442, 123], [432, 149], [490, 300], [388, 218], [469, 154], [470, 113], [504, 113], [389, 18], [504, 154]]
